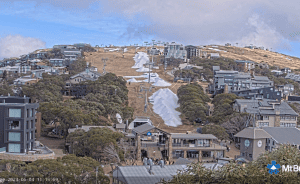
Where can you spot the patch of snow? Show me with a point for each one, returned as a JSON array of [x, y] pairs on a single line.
[[140, 59], [164, 104], [125, 50], [161, 82], [119, 118], [132, 80], [143, 69]]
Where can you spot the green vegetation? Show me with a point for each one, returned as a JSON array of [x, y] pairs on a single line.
[[77, 66], [98, 143], [252, 173], [224, 63], [278, 80], [68, 169], [216, 130], [223, 107], [105, 97], [46, 90], [5, 89], [192, 100]]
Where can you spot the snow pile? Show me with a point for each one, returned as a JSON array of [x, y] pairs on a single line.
[[140, 59], [143, 69], [161, 82], [125, 50], [164, 104], [119, 118], [132, 80]]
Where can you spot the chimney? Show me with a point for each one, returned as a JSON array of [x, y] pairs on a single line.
[[226, 88]]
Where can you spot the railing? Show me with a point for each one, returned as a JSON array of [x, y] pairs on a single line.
[[176, 145], [150, 144]]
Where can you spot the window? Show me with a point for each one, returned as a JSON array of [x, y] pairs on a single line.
[[206, 142], [27, 136], [266, 117], [27, 125], [14, 148], [250, 155], [14, 125], [31, 135], [32, 126], [15, 113], [200, 142], [263, 124], [32, 113], [14, 136]]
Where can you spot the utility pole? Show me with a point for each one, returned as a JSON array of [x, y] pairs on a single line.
[[104, 64], [146, 43], [96, 174]]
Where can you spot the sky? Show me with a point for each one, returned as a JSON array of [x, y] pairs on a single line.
[[29, 25]]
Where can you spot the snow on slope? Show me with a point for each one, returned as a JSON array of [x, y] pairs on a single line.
[[164, 104]]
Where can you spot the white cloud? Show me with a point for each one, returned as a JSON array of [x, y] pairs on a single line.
[[270, 23], [16, 45]]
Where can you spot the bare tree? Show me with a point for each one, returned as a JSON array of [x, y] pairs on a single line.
[[111, 152], [237, 123]]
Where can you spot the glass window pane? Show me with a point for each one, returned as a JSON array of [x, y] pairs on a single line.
[[15, 148], [15, 113], [14, 136]]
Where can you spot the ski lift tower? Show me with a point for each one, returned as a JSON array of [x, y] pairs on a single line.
[[146, 89], [135, 47], [149, 64], [104, 64], [146, 43]]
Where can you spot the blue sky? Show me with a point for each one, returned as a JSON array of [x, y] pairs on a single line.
[[28, 25]]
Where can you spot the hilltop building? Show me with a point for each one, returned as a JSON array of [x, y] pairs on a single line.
[[254, 141], [268, 113], [174, 50]]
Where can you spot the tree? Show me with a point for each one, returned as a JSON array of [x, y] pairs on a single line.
[[98, 143], [192, 101], [77, 66], [223, 107], [68, 169], [252, 172], [237, 122], [216, 130]]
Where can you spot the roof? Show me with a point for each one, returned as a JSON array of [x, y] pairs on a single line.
[[261, 78], [243, 61], [253, 133], [260, 107], [284, 135], [87, 128], [120, 125], [192, 136], [140, 174], [143, 128], [182, 161], [216, 67]]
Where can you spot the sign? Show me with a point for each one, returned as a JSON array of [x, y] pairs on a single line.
[[149, 134]]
